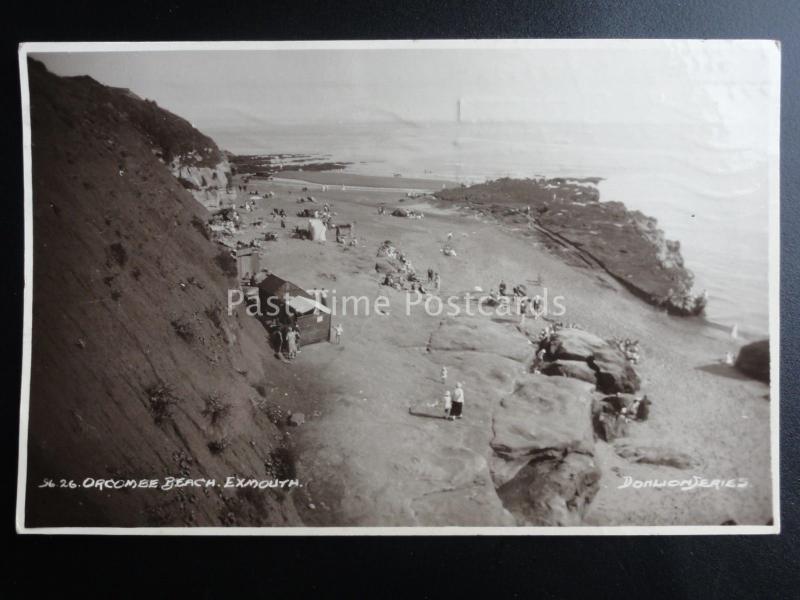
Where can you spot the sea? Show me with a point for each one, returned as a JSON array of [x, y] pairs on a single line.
[[707, 190]]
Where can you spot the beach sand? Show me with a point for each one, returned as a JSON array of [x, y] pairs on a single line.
[[366, 460]]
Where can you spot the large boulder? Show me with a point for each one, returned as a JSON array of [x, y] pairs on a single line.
[[544, 414], [543, 462], [753, 360], [614, 372], [575, 344], [577, 369], [552, 491]]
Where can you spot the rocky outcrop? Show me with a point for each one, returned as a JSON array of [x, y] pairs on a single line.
[[191, 156], [571, 368], [626, 244], [543, 451], [614, 372], [753, 360], [210, 185], [575, 344], [571, 348]]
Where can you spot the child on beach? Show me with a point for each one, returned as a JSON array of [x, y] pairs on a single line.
[[444, 375], [448, 405]]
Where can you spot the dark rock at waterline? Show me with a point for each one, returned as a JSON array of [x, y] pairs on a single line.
[[626, 244], [753, 360]]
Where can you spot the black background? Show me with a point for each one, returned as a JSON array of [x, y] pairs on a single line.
[[712, 567]]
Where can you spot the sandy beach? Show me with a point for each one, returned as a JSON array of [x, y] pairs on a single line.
[[368, 461]]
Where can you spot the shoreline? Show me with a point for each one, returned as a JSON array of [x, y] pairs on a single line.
[[421, 187], [750, 324], [357, 181]]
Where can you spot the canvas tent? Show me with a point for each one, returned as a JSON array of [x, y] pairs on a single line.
[[317, 230], [248, 262]]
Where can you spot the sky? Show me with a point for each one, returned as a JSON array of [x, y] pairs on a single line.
[[672, 83]]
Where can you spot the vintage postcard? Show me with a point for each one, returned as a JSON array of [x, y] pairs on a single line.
[[433, 287]]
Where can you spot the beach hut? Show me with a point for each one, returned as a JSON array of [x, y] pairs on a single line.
[[248, 262], [344, 233], [317, 230], [295, 306]]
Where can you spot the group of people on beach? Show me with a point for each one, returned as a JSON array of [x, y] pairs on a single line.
[[434, 279], [630, 348]]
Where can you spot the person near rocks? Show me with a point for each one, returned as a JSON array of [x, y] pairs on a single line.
[[539, 361], [537, 306], [458, 402], [291, 342], [443, 375], [283, 223], [641, 408], [278, 340], [430, 275], [338, 331], [502, 288], [437, 281]]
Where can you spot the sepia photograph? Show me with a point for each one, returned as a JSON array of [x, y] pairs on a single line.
[[508, 287]]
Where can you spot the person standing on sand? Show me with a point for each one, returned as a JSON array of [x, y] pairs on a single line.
[[338, 330], [458, 401], [283, 223], [443, 375], [430, 275], [437, 281], [448, 406], [291, 342]]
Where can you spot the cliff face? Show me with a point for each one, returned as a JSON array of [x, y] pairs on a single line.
[[210, 185], [625, 243], [137, 370]]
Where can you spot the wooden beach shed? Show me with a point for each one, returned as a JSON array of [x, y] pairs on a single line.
[[295, 306]]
